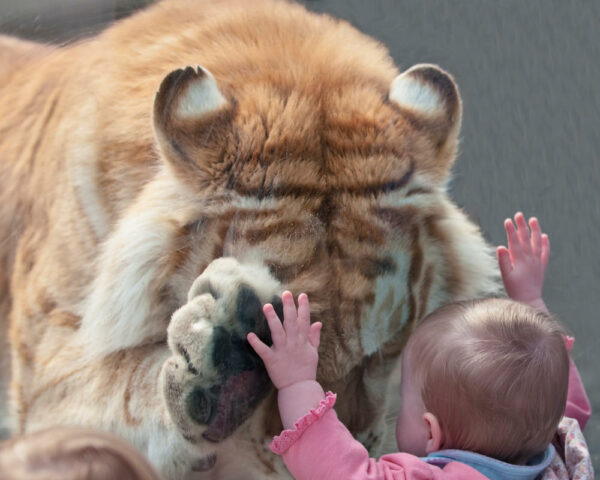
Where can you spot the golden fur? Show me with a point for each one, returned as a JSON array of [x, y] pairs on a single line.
[[297, 157]]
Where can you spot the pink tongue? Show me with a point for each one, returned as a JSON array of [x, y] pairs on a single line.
[[237, 399]]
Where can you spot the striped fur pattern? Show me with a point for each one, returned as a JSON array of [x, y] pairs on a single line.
[[162, 180]]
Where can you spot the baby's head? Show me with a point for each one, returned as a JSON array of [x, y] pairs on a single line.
[[488, 376]]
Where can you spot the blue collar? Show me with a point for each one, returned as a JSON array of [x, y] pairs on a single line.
[[492, 468]]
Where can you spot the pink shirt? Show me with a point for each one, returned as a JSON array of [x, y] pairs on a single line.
[[320, 447]]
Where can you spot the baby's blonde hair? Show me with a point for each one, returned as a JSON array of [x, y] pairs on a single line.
[[65, 453], [495, 374]]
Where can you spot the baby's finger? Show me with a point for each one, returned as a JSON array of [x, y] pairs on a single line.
[[314, 335], [289, 314], [504, 261], [523, 232], [303, 315], [545, 255], [277, 331], [536, 236], [259, 347], [514, 246]]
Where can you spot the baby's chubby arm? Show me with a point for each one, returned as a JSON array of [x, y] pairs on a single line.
[[292, 359]]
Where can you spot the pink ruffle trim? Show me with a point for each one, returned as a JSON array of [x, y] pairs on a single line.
[[287, 438]]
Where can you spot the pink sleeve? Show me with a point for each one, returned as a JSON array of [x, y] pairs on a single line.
[[321, 448], [578, 405]]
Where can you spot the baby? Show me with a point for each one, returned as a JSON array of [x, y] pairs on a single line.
[[484, 386]]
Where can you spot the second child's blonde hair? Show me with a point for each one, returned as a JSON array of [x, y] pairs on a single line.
[[495, 374], [72, 453]]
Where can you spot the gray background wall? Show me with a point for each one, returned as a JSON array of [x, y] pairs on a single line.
[[528, 72]]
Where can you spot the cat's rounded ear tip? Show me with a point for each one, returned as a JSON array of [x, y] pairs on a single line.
[[189, 93], [427, 90]]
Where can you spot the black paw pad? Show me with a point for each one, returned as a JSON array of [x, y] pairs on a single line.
[[248, 309], [230, 355], [202, 404], [204, 464]]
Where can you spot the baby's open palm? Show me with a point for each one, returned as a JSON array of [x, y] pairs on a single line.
[[293, 357], [523, 263]]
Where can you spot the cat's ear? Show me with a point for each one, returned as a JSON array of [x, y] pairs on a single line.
[[429, 97], [192, 120]]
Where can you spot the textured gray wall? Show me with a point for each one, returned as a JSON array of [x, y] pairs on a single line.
[[528, 72]]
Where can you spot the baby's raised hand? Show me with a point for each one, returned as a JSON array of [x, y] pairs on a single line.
[[523, 264], [293, 357]]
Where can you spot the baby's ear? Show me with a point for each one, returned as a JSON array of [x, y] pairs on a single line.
[[192, 120], [435, 438], [429, 98]]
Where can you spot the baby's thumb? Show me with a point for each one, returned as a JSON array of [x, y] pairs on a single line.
[[314, 335]]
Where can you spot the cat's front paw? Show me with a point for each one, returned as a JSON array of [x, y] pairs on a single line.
[[214, 380]]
